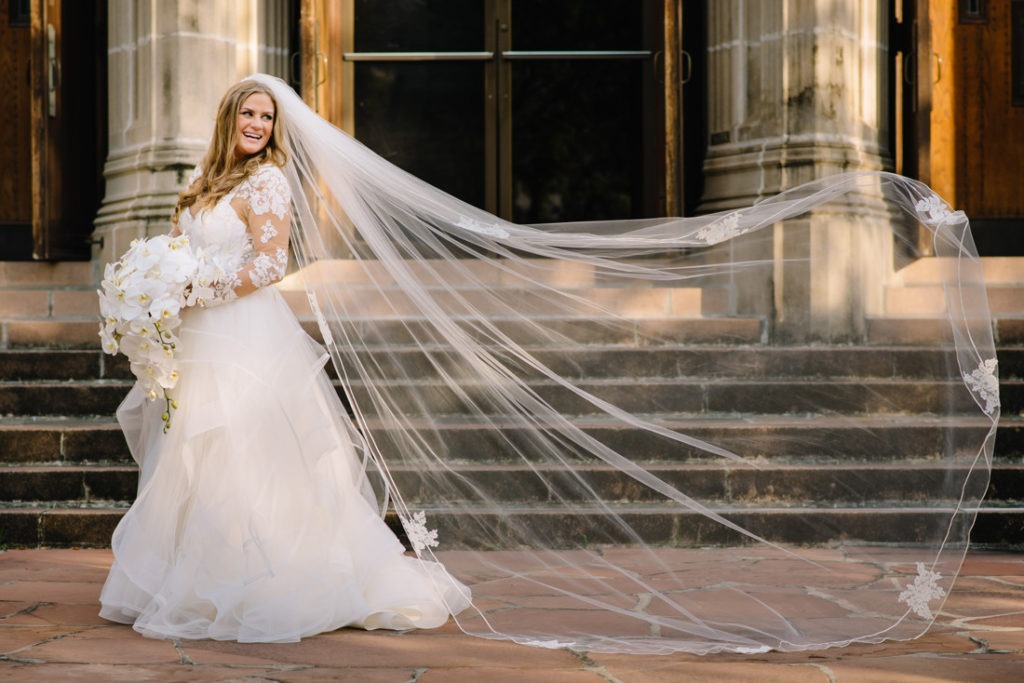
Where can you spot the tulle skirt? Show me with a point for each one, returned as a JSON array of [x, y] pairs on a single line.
[[255, 520]]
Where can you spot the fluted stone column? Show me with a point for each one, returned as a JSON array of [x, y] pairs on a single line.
[[798, 90], [169, 62]]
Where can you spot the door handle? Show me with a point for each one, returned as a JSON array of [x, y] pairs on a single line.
[[687, 68]]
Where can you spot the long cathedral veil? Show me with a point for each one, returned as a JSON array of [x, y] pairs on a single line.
[[727, 502]]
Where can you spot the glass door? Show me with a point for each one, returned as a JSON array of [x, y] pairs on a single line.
[[536, 110]]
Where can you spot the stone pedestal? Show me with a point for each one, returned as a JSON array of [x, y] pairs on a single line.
[[799, 90], [170, 62]]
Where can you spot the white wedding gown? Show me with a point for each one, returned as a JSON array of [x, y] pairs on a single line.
[[255, 520]]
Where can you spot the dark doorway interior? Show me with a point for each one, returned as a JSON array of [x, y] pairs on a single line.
[[53, 55]]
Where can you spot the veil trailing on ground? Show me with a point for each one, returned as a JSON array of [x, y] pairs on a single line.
[[616, 433]]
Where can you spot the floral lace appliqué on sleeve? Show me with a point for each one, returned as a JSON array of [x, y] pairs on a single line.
[[270, 193], [265, 199], [268, 231], [267, 269]]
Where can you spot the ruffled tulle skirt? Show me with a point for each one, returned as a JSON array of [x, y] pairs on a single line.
[[255, 520]]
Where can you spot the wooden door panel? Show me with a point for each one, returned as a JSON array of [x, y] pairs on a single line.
[[15, 147], [47, 106], [67, 96], [990, 129]]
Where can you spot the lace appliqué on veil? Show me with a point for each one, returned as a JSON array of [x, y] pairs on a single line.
[[935, 212], [924, 589], [489, 229], [985, 384], [549, 644], [721, 230], [419, 536]]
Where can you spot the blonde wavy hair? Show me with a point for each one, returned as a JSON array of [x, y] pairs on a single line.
[[220, 170]]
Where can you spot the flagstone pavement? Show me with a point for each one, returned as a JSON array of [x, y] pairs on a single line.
[[49, 631]]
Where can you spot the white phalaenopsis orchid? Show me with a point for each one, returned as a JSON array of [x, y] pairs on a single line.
[[141, 299]]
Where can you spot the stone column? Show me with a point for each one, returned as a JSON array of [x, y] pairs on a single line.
[[169, 62], [799, 90]]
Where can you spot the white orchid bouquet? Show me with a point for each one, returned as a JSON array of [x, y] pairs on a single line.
[[141, 300]]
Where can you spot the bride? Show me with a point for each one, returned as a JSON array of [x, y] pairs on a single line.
[[260, 513], [255, 520]]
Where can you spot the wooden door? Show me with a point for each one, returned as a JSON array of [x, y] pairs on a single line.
[[54, 89], [47, 108], [507, 91], [15, 135], [990, 127], [977, 125]]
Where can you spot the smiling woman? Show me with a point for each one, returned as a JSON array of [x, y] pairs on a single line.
[[255, 125]]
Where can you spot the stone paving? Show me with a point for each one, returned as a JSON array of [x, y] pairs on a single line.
[[49, 631]]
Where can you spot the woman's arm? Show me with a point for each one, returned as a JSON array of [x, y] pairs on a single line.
[[267, 218]]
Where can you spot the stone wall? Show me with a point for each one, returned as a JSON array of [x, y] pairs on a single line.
[[798, 90]]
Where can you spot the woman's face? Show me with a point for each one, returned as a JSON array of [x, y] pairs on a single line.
[[255, 124]]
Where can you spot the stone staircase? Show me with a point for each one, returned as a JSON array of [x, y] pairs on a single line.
[[66, 476]]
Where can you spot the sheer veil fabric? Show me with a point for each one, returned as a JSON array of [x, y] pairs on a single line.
[[507, 483]]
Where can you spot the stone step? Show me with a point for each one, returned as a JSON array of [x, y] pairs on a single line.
[[593, 361], [709, 397], [715, 484], [646, 395], [628, 302], [80, 483], [997, 270], [1007, 330], [458, 273], [84, 333], [75, 305], [30, 304], [50, 333], [469, 273], [884, 331], [15, 275], [65, 526], [58, 526], [929, 301], [808, 440], [88, 397]]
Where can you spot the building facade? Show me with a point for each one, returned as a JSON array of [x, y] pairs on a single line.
[[537, 111]]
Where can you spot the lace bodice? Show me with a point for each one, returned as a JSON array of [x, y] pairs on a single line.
[[245, 233]]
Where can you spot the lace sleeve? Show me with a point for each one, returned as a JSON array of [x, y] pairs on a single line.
[[266, 212]]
